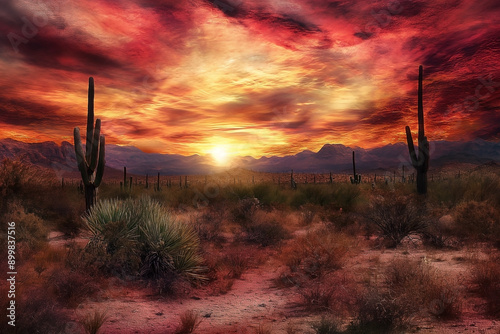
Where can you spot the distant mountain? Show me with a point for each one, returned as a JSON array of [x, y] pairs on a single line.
[[331, 157]]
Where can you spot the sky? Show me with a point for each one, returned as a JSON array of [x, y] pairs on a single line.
[[258, 78]]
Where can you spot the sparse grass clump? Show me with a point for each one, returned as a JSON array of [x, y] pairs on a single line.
[[486, 282], [190, 320], [420, 287], [263, 329], [93, 322], [327, 325], [317, 297], [209, 224], [316, 253], [265, 232], [379, 312]]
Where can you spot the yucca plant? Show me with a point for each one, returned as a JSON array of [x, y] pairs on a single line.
[[142, 228], [170, 245], [114, 222]]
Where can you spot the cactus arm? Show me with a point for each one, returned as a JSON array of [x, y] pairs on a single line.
[[411, 147], [95, 145], [100, 166], [90, 120], [421, 132], [80, 157]]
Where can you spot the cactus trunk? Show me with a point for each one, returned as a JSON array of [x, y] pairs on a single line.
[[420, 162], [357, 178], [91, 163]]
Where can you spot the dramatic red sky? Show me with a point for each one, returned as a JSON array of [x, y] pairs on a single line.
[[264, 77]]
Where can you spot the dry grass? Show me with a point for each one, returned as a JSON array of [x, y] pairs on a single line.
[[335, 294], [209, 225], [486, 282], [317, 253], [419, 287], [327, 325], [265, 233], [190, 320], [72, 287], [379, 312], [263, 329], [37, 311], [477, 221], [93, 322], [317, 297], [225, 267]]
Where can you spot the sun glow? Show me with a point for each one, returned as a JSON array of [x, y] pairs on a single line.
[[220, 155]]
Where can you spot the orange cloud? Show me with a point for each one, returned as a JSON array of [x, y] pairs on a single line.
[[263, 78]]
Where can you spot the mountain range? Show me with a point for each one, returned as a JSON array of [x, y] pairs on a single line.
[[336, 158]]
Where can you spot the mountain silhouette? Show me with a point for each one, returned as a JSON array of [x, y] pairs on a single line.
[[331, 157]]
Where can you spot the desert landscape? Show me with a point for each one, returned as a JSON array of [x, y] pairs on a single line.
[[254, 167], [263, 258]]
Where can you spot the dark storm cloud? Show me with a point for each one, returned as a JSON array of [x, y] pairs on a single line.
[[29, 113]]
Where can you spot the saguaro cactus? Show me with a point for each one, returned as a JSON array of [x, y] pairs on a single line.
[[357, 177], [91, 163], [420, 162]]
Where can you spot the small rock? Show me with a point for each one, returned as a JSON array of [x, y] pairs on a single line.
[[159, 313], [262, 305], [207, 315]]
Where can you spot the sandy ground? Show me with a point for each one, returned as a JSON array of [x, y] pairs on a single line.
[[253, 300]]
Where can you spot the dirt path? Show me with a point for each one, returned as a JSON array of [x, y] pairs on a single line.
[[251, 301]]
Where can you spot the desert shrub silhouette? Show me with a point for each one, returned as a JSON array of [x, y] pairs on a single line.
[[396, 218]]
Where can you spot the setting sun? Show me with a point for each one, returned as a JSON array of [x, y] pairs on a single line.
[[220, 155]]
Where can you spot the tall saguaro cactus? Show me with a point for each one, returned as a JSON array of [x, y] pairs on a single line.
[[91, 163], [420, 162], [357, 177]]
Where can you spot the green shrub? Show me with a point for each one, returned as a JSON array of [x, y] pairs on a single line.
[[143, 229], [268, 194], [474, 187]]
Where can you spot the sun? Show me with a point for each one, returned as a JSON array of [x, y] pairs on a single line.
[[220, 155]]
